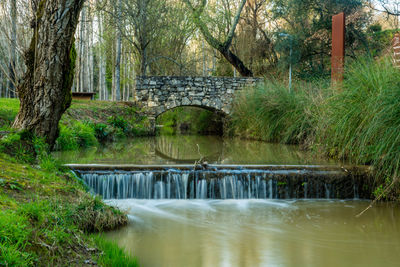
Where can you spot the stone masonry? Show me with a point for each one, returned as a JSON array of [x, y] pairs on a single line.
[[161, 93]]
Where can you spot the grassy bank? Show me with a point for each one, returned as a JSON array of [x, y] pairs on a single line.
[[48, 219], [359, 122], [87, 123]]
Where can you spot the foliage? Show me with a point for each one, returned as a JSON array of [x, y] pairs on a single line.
[[19, 145], [113, 255], [102, 132], [362, 121], [92, 215], [359, 122], [271, 112], [79, 134], [66, 140], [309, 23], [118, 122], [43, 217]]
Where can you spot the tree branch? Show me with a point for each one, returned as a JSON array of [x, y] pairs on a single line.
[[229, 38]]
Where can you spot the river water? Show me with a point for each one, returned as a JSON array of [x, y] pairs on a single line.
[[259, 233], [181, 149], [239, 232]]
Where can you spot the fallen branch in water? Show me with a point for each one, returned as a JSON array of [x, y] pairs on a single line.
[[201, 162], [386, 190]]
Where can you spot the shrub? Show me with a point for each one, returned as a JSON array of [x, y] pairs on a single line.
[[77, 135], [67, 139], [84, 134], [362, 121], [101, 131], [119, 122], [92, 215], [271, 113]]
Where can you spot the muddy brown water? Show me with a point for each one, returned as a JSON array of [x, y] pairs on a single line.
[[183, 149], [244, 232], [259, 233]]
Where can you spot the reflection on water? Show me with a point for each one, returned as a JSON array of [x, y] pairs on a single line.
[[259, 233], [187, 149]]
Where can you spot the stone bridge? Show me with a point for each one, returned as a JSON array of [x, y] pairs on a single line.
[[162, 93]]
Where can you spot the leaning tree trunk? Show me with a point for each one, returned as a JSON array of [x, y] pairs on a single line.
[[45, 89]]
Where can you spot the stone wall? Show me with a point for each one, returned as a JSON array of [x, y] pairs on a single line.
[[162, 93]]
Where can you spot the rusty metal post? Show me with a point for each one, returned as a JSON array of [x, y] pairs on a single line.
[[338, 49], [396, 49]]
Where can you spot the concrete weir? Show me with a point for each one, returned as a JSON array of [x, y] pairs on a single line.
[[226, 181]]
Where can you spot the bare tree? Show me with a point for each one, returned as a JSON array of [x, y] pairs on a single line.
[[222, 47]]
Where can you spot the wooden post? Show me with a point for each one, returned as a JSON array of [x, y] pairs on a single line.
[[338, 49], [396, 49]]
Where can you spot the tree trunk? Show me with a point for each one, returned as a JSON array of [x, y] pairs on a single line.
[[82, 68], [118, 55], [223, 48], [102, 63], [45, 89], [13, 48], [1, 84]]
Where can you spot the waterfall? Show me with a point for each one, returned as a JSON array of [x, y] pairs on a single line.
[[220, 184]]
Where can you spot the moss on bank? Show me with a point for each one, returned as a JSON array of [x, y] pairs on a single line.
[[46, 218]]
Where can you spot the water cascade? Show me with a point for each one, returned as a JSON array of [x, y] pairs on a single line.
[[225, 184]]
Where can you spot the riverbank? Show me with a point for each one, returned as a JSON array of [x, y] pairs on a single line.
[[358, 122], [47, 218], [87, 123]]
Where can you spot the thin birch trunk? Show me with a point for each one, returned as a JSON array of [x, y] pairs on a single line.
[[82, 51], [118, 54], [13, 48]]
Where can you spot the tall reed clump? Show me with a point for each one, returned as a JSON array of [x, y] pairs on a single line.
[[271, 113], [362, 120]]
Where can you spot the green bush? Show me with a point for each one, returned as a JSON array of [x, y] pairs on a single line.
[[101, 131], [119, 122], [112, 254], [77, 135], [362, 121], [271, 113], [67, 139], [84, 134]]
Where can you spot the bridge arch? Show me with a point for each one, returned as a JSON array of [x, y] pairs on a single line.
[[158, 94]]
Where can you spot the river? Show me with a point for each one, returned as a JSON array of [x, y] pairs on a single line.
[[189, 149], [255, 231]]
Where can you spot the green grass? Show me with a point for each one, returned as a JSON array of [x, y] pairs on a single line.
[[87, 123], [269, 112], [46, 218], [112, 254], [360, 121]]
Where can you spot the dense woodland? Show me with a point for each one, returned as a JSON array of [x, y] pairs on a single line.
[[117, 40]]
